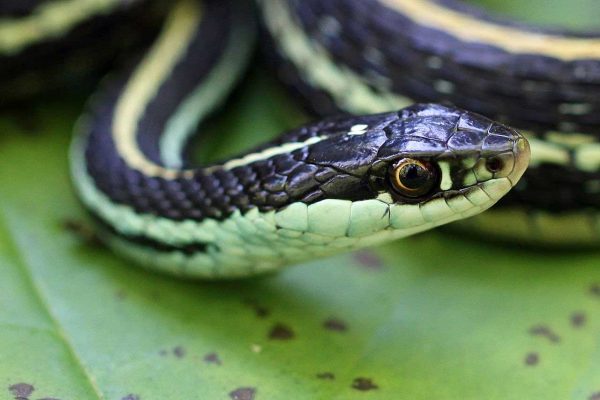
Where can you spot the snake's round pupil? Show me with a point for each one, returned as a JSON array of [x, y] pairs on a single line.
[[413, 178]]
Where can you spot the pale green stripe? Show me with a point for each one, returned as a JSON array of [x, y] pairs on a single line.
[[210, 94], [349, 90], [171, 46], [580, 228], [124, 218], [544, 152]]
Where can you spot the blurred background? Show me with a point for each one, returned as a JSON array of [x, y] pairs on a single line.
[[438, 315]]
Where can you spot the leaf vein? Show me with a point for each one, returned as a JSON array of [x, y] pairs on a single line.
[[24, 266]]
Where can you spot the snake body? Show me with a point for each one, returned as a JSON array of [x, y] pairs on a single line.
[[47, 45], [336, 184], [374, 55]]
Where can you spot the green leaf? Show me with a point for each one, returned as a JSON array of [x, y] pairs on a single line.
[[573, 14], [432, 317]]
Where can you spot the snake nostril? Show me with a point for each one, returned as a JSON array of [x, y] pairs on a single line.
[[494, 164]]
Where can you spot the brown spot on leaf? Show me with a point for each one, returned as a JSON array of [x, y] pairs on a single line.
[[212, 358], [364, 384], [335, 324], [163, 353], [595, 289], [578, 319], [368, 260], [21, 391], [532, 359], [260, 310], [594, 396], [121, 294], [81, 230], [545, 331], [281, 332], [326, 375], [244, 393], [179, 352], [131, 396]]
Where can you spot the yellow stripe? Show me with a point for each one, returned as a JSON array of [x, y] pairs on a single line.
[[271, 152], [511, 39], [50, 20], [146, 81]]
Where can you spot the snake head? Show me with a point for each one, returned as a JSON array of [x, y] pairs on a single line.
[[418, 168], [440, 164], [435, 150]]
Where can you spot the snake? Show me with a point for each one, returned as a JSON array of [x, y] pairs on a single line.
[[375, 55], [336, 184]]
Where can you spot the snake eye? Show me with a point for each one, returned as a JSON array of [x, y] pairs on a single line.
[[413, 178]]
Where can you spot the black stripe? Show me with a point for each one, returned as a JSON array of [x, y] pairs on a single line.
[[92, 48], [19, 8], [204, 52], [143, 241]]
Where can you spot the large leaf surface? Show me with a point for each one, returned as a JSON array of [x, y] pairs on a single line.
[[431, 317]]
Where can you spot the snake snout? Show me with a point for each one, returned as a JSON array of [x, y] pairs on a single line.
[[506, 152], [522, 154]]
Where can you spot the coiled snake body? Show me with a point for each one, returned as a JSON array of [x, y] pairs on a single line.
[[336, 184]]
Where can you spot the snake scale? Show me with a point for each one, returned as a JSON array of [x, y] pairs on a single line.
[[384, 168]]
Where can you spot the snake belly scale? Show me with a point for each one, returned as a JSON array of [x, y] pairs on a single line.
[[336, 184]]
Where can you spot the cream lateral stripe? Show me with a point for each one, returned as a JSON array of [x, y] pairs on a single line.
[[50, 20], [270, 152], [511, 39], [146, 81]]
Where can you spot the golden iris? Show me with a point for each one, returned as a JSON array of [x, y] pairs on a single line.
[[413, 178]]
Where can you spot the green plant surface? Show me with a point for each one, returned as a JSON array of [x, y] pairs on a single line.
[[570, 14], [431, 317]]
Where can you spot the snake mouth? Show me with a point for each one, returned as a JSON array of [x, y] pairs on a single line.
[[510, 165], [505, 154], [495, 176]]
